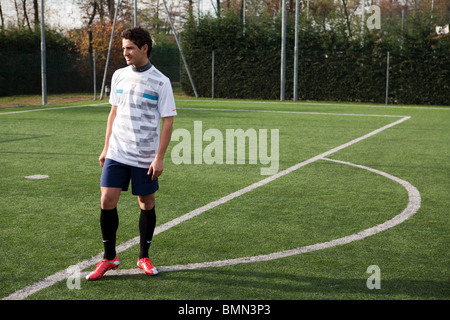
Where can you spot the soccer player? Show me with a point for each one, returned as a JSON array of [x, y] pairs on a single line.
[[134, 146]]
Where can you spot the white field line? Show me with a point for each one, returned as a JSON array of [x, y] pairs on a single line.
[[292, 112], [301, 103], [211, 109], [412, 207], [312, 103], [55, 108], [61, 275]]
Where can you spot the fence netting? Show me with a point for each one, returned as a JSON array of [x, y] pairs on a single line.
[[415, 76]]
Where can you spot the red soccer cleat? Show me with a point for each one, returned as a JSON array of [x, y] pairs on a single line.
[[146, 265], [102, 267]]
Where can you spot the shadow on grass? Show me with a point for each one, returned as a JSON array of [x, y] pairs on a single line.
[[229, 284]]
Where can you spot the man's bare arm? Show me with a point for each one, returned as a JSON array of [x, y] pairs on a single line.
[[157, 165], [111, 118]]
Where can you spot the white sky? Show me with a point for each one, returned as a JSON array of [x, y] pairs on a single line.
[[65, 13]]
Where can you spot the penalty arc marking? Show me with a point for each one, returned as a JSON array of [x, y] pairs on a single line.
[[411, 209]]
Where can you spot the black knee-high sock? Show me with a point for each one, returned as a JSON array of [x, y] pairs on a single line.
[[109, 222], [147, 223]]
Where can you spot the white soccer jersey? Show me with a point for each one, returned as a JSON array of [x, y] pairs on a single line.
[[142, 98]]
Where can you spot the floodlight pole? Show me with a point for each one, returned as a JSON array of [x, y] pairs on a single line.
[[432, 9], [283, 53], [180, 49], [363, 21], [111, 40], [307, 10], [297, 7], [212, 74], [94, 60], [387, 77], [43, 57], [243, 15], [135, 14]]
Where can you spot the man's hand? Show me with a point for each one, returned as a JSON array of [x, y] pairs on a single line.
[[156, 168], [102, 158]]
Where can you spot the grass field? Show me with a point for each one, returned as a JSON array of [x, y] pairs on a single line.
[[51, 224]]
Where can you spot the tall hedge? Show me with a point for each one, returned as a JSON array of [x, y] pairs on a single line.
[[332, 66], [68, 71], [20, 71]]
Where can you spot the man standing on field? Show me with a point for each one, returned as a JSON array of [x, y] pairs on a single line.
[[134, 145]]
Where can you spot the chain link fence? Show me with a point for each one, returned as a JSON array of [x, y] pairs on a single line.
[[403, 77], [415, 77], [70, 72]]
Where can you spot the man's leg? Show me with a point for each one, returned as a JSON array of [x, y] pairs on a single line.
[[109, 220], [147, 223]]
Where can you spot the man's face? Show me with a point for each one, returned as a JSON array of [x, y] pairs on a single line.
[[133, 55]]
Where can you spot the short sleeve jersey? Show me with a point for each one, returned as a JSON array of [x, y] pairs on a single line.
[[142, 99]]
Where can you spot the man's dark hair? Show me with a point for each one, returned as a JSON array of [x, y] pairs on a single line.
[[140, 37]]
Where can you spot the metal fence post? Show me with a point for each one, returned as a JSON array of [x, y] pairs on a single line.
[[283, 53], [111, 40], [212, 75], [387, 77], [95, 74], [43, 58], [297, 5], [181, 50]]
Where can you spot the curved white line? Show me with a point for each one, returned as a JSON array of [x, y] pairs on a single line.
[[64, 274], [412, 207]]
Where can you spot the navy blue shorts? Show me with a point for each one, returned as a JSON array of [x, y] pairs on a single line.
[[118, 175]]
